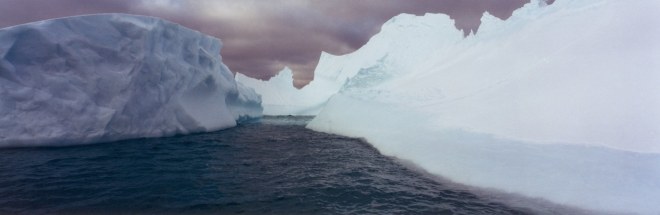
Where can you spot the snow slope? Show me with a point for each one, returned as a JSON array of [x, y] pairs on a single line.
[[108, 77], [280, 97], [559, 102]]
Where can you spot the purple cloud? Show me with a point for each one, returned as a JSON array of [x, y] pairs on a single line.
[[261, 37]]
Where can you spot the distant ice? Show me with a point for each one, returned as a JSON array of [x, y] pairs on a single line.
[[281, 98], [108, 77]]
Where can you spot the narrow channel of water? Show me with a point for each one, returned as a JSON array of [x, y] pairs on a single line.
[[274, 166]]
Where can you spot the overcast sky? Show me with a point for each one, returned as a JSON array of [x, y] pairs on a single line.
[[262, 36]]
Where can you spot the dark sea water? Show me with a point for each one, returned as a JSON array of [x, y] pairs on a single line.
[[275, 166]]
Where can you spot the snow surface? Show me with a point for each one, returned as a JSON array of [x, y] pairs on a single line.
[[280, 97], [109, 77], [559, 102]]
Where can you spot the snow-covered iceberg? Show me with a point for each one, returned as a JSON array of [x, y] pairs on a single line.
[[560, 102], [108, 77], [280, 97]]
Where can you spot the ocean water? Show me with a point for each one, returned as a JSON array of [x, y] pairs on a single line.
[[273, 166]]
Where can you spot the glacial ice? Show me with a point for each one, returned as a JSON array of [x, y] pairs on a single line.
[[559, 102], [280, 97], [108, 77]]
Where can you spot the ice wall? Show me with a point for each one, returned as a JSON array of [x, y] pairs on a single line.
[[559, 102], [108, 77], [280, 97]]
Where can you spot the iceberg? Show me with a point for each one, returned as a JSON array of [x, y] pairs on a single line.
[[281, 98], [559, 102], [107, 77]]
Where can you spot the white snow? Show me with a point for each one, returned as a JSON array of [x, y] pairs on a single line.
[[559, 102], [109, 77], [281, 98]]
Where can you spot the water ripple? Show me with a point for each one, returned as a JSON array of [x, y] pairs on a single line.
[[275, 167]]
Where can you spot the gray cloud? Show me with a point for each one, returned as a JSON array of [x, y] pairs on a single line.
[[261, 37], [14, 12]]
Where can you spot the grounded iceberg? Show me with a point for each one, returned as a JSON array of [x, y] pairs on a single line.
[[560, 102], [280, 97], [108, 77]]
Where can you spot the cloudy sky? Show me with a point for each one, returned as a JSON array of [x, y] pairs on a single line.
[[263, 36]]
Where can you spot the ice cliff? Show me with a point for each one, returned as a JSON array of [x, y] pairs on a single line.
[[560, 102], [280, 97], [109, 77]]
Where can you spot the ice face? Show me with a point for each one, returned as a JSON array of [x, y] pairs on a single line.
[[108, 77], [280, 97], [559, 102]]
